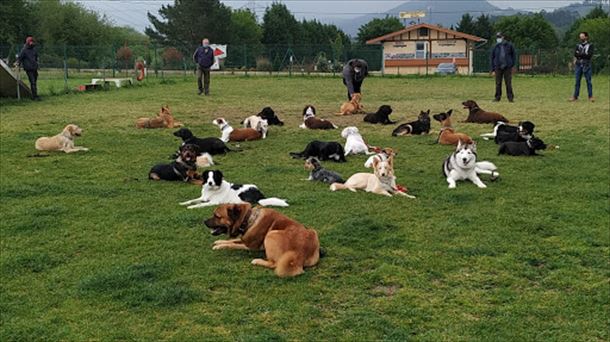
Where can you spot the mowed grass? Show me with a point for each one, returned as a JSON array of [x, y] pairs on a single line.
[[92, 250]]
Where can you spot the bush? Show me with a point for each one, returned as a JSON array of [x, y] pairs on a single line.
[[263, 64]]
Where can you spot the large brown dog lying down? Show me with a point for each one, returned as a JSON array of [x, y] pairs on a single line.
[[63, 141], [312, 122], [165, 119], [352, 107], [478, 115], [288, 245], [448, 135]]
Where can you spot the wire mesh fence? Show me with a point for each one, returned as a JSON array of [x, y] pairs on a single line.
[[120, 61]]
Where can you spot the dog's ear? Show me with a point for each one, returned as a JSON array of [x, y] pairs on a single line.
[[237, 214], [427, 112], [217, 174], [459, 145], [375, 162], [449, 112], [472, 146]]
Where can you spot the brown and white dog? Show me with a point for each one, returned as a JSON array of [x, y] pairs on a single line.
[[353, 106], [241, 134], [63, 141], [478, 115], [381, 182], [289, 246], [312, 122], [165, 119], [448, 135]]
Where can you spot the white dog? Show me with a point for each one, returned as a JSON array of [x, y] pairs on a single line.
[[63, 141], [354, 143], [216, 191], [462, 164], [252, 121], [225, 128]]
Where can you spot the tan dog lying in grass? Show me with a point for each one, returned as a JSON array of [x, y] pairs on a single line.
[[165, 119], [352, 107], [448, 135], [63, 141], [382, 182]]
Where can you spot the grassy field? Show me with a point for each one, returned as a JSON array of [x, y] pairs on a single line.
[[92, 250]]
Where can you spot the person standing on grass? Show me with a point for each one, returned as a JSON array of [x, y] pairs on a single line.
[[354, 73], [502, 63], [28, 59], [582, 65], [204, 58]]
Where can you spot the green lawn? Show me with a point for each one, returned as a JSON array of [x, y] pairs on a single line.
[[92, 250]]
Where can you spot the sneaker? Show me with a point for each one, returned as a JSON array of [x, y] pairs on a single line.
[[207, 93], [572, 99], [200, 92], [591, 99], [511, 100]]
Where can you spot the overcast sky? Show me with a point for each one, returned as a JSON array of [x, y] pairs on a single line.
[[133, 12]]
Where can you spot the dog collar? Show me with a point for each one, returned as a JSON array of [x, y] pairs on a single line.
[[248, 221], [223, 127]]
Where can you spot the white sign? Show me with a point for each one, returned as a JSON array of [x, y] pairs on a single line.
[[412, 14], [220, 52]]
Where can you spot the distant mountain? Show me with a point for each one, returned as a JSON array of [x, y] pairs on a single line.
[[443, 12]]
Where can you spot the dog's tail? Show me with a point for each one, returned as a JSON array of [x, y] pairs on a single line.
[[337, 186], [289, 265], [297, 155], [485, 165], [273, 201]]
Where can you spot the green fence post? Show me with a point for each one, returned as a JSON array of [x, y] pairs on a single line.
[[65, 69]]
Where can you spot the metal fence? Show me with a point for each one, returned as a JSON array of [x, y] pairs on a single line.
[[300, 59]]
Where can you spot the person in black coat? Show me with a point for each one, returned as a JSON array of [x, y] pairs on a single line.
[[28, 59], [502, 63], [204, 58], [354, 73], [582, 65]]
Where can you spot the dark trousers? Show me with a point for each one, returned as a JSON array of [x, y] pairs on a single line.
[[505, 74], [579, 72], [357, 86], [205, 72], [33, 77]]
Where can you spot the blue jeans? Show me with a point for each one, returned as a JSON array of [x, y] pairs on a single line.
[[580, 70]]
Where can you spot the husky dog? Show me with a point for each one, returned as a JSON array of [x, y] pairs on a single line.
[[462, 164]]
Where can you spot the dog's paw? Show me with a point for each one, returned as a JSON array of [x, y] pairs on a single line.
[[482, 186], [191, 206], [258, 262], [216, 247], [451, 186]]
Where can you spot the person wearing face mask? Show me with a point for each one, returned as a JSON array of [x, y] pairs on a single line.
[[354, 73], [582, 65], [204, 58], [502, 63], [28, 59]]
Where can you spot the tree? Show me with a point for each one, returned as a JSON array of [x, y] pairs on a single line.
[[571, 34], [528, 32], [15, 23], [378, 27], [245, 28], [280, 27], [187, 22], [466, 24]]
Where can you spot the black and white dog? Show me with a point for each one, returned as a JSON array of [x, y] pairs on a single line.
[[322, 150], [421, 126], [462, 164], [382, 116], [522, 148], [216, 191], [212, 146], [266, 114], [504, 132]]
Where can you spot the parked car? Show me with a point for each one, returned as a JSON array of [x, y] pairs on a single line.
[[446, 69]]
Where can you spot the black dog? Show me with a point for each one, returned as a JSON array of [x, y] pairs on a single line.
[[212, 146], [322, 150], [268, 114], [522, 148], [521, 133], [184, 168], [421, 126], [382, 116]]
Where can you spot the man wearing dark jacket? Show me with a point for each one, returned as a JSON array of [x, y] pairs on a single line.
[[354, 73], [28, 59], [204, 58], [502, 63], [582, 55]]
